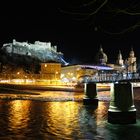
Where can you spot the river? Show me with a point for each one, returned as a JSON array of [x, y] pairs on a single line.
[[61, 116]]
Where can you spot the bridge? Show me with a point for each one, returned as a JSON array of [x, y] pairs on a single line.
[[121, 107], [107, 74], [112, 77]]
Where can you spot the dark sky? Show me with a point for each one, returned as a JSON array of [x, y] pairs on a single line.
[[79, 40]]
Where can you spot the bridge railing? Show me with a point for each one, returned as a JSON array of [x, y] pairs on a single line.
[[113, 77]]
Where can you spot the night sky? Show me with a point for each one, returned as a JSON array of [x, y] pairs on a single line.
[[76, 35]]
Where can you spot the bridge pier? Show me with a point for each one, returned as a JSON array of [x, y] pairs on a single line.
[[90, 91], [122, 109]]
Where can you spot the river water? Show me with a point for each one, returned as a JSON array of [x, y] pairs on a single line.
[[62, 118]]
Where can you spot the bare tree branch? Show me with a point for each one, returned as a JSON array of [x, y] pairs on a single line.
[[106, 13], [129, 29], [128, 13], [86, 14], [88, 4], [98, 9]]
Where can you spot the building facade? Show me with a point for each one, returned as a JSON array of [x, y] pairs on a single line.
[[50, 71], [132, 65]]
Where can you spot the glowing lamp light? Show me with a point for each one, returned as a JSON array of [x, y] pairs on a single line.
[[18, 73], [62, 75]]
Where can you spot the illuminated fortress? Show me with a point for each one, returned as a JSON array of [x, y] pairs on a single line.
[[25, 62], [43, 51]]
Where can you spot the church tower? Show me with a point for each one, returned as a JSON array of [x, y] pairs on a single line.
[[132, 62], [120, 60], [101, 57]]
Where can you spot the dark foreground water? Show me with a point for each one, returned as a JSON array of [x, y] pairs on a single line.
[[61, 120]]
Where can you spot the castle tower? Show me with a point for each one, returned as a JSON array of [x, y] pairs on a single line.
[[132, 62], [120, 60]]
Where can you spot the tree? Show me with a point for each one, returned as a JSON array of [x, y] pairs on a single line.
[[109, 16]]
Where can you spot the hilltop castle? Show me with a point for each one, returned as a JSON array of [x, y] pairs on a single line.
[[43, 51]]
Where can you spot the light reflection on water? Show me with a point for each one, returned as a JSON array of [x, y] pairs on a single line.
[[62, 118], [50, 120], [38, 120], [17, 113]]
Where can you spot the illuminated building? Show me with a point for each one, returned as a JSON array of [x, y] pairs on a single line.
[[120, 60], [82, 72], [42, 51], [128, 66], [101, 57], [50, 71], [132, 62], [37, 62]]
